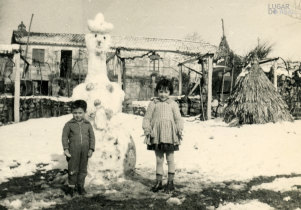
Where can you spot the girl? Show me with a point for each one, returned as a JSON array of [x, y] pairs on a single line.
[[162, 125]]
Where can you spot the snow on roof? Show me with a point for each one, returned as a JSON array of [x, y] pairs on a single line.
[[8, 48], [121, 42]]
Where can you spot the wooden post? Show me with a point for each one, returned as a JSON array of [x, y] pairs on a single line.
[[204, 88], [119, 74], [275, 74], [123, 74], [187, 91], [201, 94], [223, 83], [232, 76], [17, 87], [209, 93], [180, 80], [26, 49]]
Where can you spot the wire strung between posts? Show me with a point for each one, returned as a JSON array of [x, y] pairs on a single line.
[[133, 58]]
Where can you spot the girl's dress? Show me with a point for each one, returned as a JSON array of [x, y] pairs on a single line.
[[164, 123]]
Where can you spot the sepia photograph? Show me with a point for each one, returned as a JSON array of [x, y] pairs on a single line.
[[150, 104]]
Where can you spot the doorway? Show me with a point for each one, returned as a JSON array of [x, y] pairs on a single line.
[[66, 64]]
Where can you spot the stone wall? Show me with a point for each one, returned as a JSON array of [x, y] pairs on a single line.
[[32, 108]]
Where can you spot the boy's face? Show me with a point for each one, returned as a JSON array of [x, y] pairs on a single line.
[[78, 114], [163, 94]]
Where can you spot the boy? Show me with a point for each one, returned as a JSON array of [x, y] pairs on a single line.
[[79, 143]]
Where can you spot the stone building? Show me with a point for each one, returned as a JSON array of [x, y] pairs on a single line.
[[58, 62]]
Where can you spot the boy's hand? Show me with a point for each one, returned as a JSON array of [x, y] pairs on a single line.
[[67, 153], [90, 153]]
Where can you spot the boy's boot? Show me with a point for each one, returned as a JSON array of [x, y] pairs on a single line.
[[170, 185], [81, 190], [158, 186], [71, 190]]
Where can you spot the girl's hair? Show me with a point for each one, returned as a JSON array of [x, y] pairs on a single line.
[[165, 84], [79, 104]]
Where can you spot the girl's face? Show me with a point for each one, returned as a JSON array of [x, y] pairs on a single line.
[[163, 94], [78, 114]]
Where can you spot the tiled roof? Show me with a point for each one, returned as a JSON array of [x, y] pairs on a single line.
[[50, 39], [122, 42]]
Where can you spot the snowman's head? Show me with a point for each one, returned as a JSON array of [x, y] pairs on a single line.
[[98, 41]]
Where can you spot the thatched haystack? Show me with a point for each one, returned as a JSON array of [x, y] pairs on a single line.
[[255, 100]]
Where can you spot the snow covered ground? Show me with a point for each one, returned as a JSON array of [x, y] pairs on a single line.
[[211, 152], [216, 151]]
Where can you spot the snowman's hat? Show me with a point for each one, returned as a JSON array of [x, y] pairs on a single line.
[[99, 25]]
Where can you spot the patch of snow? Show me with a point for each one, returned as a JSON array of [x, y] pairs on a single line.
[[41, 204], [31, 200], [237, 186], [247, 205], [15, 204], [174, 201], [280, 184], [287, 198]]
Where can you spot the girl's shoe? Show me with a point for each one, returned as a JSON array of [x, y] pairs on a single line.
[[169, 187], [158, 186]]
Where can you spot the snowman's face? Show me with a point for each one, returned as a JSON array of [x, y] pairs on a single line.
[[98, 43]]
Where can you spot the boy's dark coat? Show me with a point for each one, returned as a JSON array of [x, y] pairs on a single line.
[[75, 135], [78, 138]]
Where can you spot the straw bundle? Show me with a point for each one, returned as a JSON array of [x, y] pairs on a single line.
[[255, 100]]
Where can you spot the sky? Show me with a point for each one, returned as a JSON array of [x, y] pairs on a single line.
[[245, 21]]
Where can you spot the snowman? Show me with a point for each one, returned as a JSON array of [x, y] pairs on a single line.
[[115, 152]]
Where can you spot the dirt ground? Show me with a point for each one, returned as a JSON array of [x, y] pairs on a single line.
[[44, 187]]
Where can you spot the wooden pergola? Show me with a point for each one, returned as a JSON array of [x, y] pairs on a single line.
[[206, 62]]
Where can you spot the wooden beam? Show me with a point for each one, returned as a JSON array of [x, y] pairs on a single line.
[[157, 50], [194, 87], [119, 74], [201, 91], [187, 88], [232, 77], [223, 79], [26, 49], [110, 58], [123, 74], [17, 87], [195, 59], [209, 93], [223, 83], [275, 66], [189, 61], [180, 80], [192, 70], [269, 60]]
